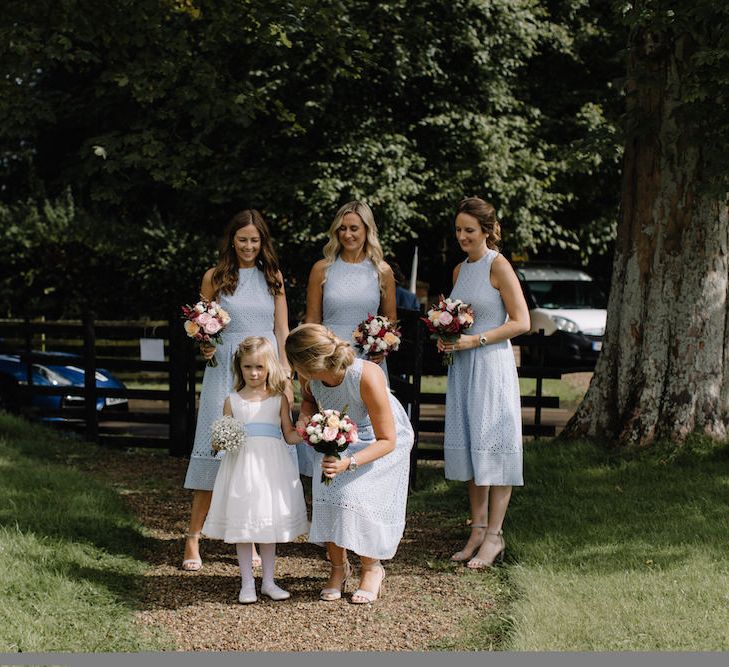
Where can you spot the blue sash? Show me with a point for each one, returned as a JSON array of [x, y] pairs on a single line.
[[263, 429]]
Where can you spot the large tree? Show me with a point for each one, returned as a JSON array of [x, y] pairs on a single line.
[[664, 369]]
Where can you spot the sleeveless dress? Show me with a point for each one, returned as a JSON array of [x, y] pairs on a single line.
[[257, 495], [364, 510], [350, 293], [251, 310], [483, 413]]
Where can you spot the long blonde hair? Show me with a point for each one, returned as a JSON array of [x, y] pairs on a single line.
[[372, 247], [312, 348], [276, 379]]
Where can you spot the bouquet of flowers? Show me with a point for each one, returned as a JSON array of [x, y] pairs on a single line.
[[329, 432], [377, 335], [447, 320], [226, 435], [204, 322]]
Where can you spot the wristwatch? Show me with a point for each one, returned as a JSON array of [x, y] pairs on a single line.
[[352, 464], [482, 340]]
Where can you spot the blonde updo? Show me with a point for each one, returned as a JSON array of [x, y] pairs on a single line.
[[312, 348], [485, 213]]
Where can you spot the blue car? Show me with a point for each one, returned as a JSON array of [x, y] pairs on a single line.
[[13, 374]]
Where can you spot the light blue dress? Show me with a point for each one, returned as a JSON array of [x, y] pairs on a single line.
[[363, 511], [483, 413], [251, 310], [350, 293]]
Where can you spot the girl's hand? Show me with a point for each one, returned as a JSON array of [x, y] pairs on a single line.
[[331, 466], [300, 427], [207, 350], [464, 342]]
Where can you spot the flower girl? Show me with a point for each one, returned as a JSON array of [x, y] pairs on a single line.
[[257, 495]]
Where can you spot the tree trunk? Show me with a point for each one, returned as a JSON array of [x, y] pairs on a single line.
[[664, 369]]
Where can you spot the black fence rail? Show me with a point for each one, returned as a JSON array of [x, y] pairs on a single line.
[[98, 346], [114, 346]]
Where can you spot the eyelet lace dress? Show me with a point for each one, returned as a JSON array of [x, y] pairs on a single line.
[[483, 438], [251, 310], [364, 510], [350, 293]]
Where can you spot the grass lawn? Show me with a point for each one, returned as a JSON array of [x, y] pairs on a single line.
[[606, 553], [69, 566]]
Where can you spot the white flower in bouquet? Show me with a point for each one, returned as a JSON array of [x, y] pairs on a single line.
[[227, 435]]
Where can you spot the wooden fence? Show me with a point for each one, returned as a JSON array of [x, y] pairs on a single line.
[[114, 346]]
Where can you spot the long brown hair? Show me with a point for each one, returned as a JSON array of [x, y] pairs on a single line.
[[225, 274], [485, 213]]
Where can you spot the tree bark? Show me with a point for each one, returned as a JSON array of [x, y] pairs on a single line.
[[664, 369]]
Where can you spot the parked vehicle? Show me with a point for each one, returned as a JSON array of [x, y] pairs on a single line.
[[568, 304], [13, 375]]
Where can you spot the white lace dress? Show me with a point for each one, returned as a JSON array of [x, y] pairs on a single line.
[[483, 410], [258, 496], [363, 511]]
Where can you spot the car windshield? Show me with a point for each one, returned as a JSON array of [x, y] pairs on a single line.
[[567, 294]]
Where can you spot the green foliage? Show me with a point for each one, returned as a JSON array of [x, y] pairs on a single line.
[[180, 114], [63, 262]]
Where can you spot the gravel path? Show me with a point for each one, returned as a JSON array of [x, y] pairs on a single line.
[[424, 603]]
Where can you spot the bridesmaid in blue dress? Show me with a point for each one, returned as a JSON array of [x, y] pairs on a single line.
[[483, 443], [248, 284], [363, 509], [352, 281]]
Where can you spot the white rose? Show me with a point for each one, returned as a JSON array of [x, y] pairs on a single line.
[[199, 308], [374, 327], [346, 426], [314, 438], [341, 440], [310, 430], [370, 340], [317, 418]]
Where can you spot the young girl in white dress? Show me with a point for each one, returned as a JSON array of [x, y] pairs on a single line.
[[258, 495]]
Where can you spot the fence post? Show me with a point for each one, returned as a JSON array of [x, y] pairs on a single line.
[[92, 417], [28, 335], [178, 388], [538, 389]]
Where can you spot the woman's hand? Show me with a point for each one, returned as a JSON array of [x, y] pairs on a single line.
[[464, 342], [376, 358], [331, 466], [207, 351]]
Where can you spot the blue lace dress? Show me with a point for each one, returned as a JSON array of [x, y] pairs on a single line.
[[350, 293], [251, 310], [363, 511], [483, 411]]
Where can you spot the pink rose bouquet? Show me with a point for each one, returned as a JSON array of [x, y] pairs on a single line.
[[447, 320], [377, 335], [330, 432], [204, 322]]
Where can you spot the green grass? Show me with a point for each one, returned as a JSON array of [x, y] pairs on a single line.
[[70, 569], [569, 396], [604, 553]]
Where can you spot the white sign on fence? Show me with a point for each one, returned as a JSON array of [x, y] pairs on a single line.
[[152, 349]]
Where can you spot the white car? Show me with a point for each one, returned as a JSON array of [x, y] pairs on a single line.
[[569, 304]]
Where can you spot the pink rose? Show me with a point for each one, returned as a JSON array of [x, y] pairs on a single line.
[[203, 319], [445, 319], [330, 433], [213, 326]]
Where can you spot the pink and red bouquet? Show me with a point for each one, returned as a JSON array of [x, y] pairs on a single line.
[[329, 432], [447, 320], [377, 335], [204, 323]]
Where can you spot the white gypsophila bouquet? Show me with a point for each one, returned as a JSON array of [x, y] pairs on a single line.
[[227, 435]]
